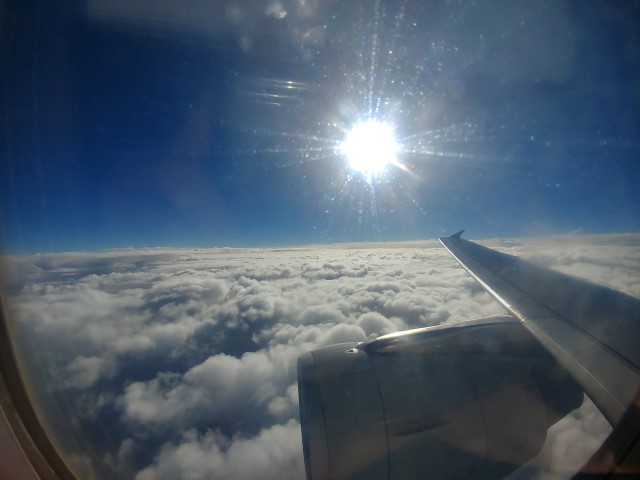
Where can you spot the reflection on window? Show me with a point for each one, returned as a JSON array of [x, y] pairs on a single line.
[[192, 171]]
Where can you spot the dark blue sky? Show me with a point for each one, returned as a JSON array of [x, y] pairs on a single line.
[[210, 124]]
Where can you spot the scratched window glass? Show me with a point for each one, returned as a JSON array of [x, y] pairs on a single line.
[[196, 194]]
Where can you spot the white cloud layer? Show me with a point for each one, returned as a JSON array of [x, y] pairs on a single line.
[[182, 363]]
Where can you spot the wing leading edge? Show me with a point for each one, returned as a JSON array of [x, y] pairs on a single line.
[[593, 331]]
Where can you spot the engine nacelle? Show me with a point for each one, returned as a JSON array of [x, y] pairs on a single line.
[[471, 400]]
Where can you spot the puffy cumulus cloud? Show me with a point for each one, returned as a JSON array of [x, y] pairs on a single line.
[[285, 406], [373, 323], [185, 287], [83, 371], [182, 363], [274, 453], [610, 260], [569, 445], [585, 430], [322, 314], [219, 391]]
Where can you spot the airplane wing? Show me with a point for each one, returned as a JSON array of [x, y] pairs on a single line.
[[475, 399], [593, 331]]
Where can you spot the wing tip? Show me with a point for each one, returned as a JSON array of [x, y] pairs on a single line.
[[457, 234]]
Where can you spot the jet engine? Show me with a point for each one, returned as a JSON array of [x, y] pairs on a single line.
[[472, 400]]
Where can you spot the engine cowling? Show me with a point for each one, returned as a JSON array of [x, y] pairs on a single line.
[[472, 400]]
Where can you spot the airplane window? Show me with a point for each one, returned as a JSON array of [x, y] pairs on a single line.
[[196, 194]]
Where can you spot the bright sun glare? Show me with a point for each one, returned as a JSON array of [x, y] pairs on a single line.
[[369, 147]]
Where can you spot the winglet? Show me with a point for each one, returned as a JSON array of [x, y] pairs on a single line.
[[457, 235]]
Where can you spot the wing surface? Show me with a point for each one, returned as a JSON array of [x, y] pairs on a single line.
[[593, 331]]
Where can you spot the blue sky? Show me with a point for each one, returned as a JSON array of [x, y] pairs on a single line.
[[220, 124]]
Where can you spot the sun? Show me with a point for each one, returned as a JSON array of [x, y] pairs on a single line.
[[369, 147]]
